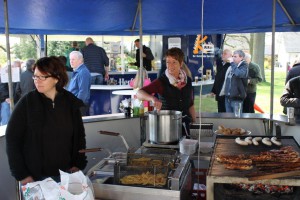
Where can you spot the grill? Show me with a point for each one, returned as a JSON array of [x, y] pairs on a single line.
[[217, 175]]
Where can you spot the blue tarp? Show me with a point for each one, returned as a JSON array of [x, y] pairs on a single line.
[[160, 17]]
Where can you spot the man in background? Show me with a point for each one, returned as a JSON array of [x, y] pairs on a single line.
[[74, 47], [291, 97], [81, 80], [26, 82], [222, 66], [4, 96], [294, 71], [96, 61], [254, 77], [235, 83], [147, 56]]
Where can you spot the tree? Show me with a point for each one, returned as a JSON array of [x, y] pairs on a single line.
[[26, 49], [253, 43], [57, 48], [258, 54]]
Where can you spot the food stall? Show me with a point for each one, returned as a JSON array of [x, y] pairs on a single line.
[[133, 130], [258, 124]]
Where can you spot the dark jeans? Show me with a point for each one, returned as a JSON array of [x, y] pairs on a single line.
[[248, 105], [97, 80], [221, 104]]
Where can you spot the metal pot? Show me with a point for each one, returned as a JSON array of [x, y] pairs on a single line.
[[165, 126]]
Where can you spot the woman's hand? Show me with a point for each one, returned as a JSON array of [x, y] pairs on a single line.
[[157, 103], [26, 180], [73, 169]]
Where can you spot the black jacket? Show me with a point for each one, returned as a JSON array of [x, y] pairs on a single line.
[[294, 71], [26, 83], [147, 60], [30, 127], [219, 78], [4, 92], [291, 95]]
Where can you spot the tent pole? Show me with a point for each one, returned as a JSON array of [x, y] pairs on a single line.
[[272, 67], [141, 80], [10, 87], [286, 12]]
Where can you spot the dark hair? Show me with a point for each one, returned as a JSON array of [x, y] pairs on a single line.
[[137, 40], [74, 44], [63, 59], [54, 67], [175, 53]]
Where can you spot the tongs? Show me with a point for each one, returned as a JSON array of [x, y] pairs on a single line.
[[95, 150], [115, 134]]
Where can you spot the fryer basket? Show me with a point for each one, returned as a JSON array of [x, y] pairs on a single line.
[[155, 177]]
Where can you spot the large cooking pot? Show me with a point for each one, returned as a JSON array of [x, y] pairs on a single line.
[[165, 126]]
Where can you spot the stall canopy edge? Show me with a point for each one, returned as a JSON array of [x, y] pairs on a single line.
[[168, 17]]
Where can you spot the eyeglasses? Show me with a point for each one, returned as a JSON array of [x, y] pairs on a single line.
[[42, 78]]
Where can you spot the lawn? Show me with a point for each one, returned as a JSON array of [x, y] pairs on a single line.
[[262, 95]]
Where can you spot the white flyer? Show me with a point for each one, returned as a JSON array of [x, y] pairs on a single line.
[[15, 73]]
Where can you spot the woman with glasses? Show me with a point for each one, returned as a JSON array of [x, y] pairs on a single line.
[[45, 131]]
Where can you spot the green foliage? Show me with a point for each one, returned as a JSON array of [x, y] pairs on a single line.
[[25, 50], [57, 48]]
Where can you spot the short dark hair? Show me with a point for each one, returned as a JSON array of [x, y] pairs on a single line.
[[175, 53], [137, 40], [63, 59], [53, 66], [74, 44]]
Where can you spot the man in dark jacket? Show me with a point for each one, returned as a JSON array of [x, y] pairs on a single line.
[[26, 82], [235, 84], [5, 100], [222, 66], [96, 60], [5, 107], [291, 96], [254, 77], [294, 71], [147, 56]]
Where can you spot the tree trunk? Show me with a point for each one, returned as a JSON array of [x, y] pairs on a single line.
[[259, 52]]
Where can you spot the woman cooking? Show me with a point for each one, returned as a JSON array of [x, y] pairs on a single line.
[[174, 88]]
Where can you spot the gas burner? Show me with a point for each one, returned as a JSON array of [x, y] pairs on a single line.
[[167, 146]]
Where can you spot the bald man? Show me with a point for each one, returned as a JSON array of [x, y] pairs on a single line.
[[222, 66], [96, 60]]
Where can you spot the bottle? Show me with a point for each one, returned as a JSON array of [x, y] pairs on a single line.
[[151, 106], [141, 109], [291, 116]]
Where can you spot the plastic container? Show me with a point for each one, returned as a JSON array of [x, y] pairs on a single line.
[[188, 146]]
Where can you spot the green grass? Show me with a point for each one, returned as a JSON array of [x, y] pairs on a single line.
[[264, 92], [262, 95]]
